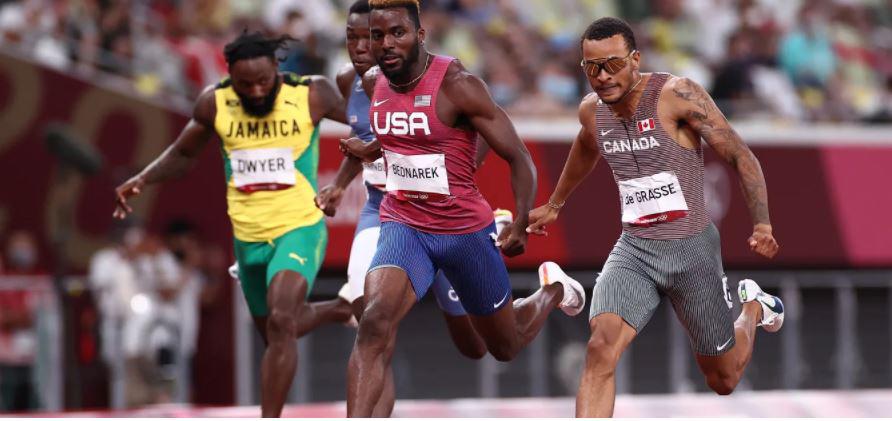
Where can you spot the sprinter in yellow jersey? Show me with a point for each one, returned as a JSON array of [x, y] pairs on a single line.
[[269, 127]]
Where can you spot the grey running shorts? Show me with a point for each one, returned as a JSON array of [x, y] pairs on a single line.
[[640, 271]]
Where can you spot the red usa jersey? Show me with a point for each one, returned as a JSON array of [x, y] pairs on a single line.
[[430, 166]]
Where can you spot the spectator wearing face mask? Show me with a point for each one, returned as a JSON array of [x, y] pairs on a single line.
[[135, 282], [17, 335]]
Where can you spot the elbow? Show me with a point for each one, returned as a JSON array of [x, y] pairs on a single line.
[[521, 159]]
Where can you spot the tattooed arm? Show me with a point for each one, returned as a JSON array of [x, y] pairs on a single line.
[[693, 109]]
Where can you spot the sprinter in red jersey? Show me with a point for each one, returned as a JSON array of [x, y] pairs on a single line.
[[427, 112]]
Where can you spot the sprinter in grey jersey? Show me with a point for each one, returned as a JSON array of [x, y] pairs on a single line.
[[648, 127]]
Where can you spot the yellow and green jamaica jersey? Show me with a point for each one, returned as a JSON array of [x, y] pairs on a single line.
[[271, 162]]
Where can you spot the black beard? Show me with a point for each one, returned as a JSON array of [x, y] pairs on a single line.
[[405, 70], [266, 107]]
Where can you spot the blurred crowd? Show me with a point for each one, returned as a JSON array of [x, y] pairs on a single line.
[[795, 60], [148, 289], [18, 337], [141, 326]]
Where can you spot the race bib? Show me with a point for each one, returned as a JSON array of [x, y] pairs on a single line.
[[373, 173], [650, 200], [417, 177], [262, 169]]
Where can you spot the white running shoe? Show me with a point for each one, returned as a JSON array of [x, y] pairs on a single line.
[[574, 295], [503, 218], [344, 294], [233, 271], [772, 306]]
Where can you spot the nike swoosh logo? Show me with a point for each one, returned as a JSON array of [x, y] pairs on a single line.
[[377, 103], [775, 304], [722, 346], [496, 305], [606, 132]]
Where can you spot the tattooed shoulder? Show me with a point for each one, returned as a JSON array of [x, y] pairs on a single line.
[[698, 108]]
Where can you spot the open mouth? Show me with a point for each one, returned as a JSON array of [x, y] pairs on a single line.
[[390, 61]]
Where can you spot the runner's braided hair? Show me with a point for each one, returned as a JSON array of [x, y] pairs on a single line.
[[250, 45], [413, 6]]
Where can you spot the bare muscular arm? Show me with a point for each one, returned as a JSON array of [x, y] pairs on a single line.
[[465, 91], [584, 156], [326, 101], [177, 158], [329, 197], [692, 105], [366, 151]]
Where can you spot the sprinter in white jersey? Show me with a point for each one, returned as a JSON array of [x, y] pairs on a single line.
[[648, 127]]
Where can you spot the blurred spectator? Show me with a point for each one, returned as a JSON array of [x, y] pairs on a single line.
[[202, 266], [138, 282], [22, 255], [860, 87], [884, 114], [18, 339], [154, 67], [312, 24], [807, 56], [670, 41], [732, 88]]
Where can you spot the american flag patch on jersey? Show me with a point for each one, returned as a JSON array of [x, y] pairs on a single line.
[[422, 100]]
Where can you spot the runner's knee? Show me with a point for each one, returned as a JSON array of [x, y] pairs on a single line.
[[721, 382], [376, 327], [603, 350], [281, 324], [471, 350], [503, 352]]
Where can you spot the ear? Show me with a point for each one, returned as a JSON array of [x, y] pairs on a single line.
[[636, 61], [422, 34]]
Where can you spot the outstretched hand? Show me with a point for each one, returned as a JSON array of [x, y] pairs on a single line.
[[130, 188], [329, 198], [540, 218], [358, 148]]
